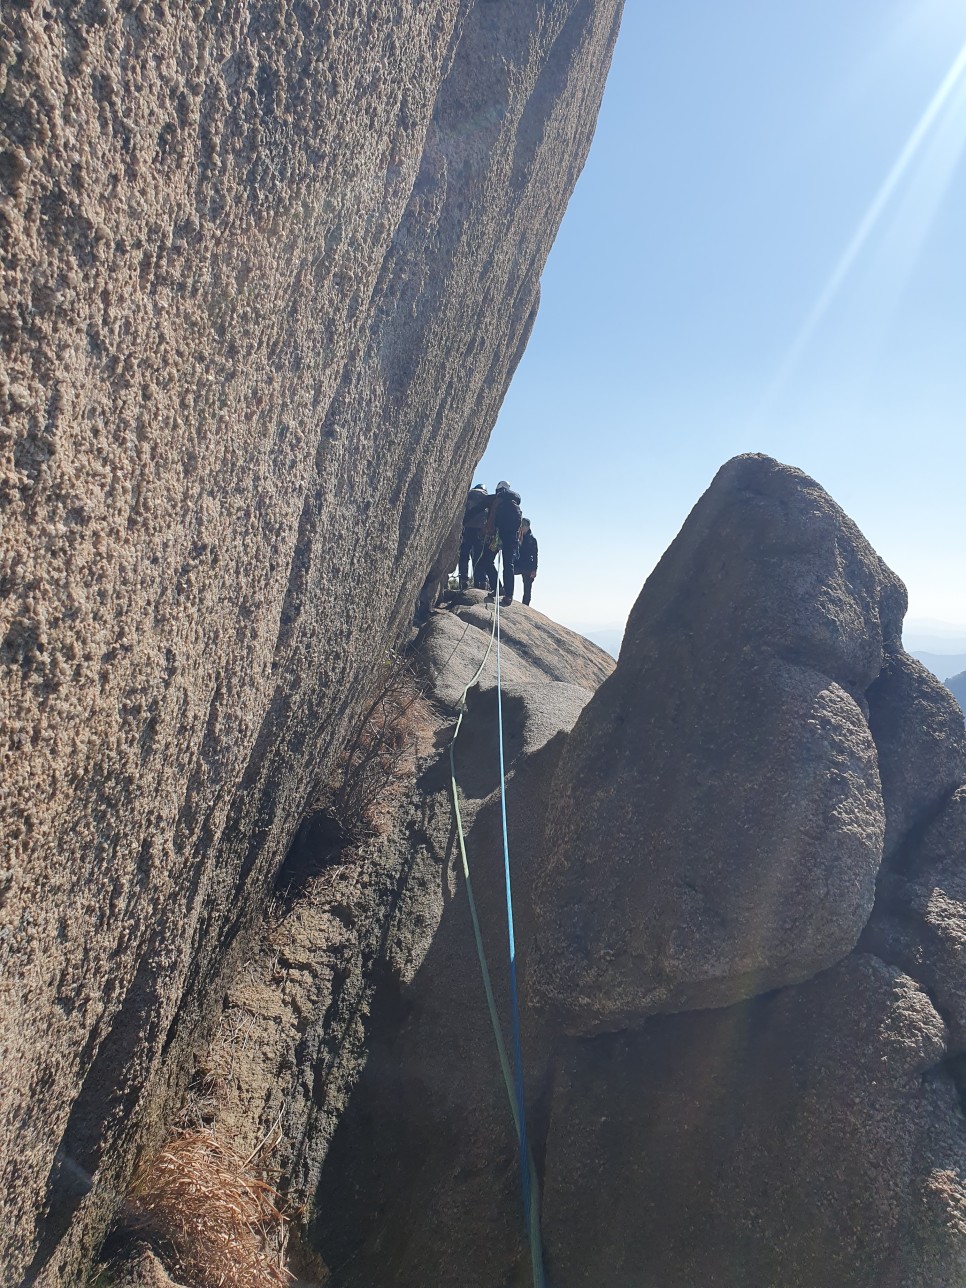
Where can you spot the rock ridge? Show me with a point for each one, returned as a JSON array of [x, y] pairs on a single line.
[[795, 1125]]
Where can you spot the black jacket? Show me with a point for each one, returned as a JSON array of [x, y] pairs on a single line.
[[526, 560], [477, 509], [505, 514]]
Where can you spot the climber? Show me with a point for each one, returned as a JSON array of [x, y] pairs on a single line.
[[502, 532], [471, 538], [526, 564]]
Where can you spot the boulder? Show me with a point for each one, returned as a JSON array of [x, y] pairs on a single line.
[[921, 739], [718, 821], [537, 650], [801, 1140]]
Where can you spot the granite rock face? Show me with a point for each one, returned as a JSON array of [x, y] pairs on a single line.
[[798, 1135], [267, 271], [808, 1138], [726, 770], [140, 1268]]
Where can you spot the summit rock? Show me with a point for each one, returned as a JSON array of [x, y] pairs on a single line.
[[719, 818]]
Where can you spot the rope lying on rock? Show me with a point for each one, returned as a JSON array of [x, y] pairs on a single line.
[[513, 1080]]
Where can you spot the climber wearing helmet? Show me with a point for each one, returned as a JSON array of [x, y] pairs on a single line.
[[502, 531], [471, 537]]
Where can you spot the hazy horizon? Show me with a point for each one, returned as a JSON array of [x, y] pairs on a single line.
[[924, 635]]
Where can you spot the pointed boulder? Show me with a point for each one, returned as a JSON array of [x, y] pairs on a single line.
[[718, 820]]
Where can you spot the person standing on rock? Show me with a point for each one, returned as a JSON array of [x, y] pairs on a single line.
[[526, 564], [503, 532], [471, 539]]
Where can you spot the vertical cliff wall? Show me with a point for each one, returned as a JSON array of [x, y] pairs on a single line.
[[268, 268]]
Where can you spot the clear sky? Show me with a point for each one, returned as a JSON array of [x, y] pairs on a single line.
[[765, 252]]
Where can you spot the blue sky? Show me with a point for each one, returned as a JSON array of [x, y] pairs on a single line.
[[746, 152]]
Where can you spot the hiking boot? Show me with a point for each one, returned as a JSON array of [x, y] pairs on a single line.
[[506, 601]]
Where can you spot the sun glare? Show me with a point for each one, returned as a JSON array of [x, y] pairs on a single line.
[[913, 190]]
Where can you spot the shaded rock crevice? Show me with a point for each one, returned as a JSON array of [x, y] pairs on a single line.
[[435, 1076], [919, 921], [919, 731]]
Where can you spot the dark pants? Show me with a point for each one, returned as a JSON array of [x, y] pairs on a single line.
[[484, 572], [527, 585], [487, 565], [471, 547], [511, 548]]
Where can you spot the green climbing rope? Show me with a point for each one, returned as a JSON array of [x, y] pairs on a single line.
[[531, 1189]]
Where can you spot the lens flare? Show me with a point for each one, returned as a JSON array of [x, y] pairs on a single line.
[[953, 80]]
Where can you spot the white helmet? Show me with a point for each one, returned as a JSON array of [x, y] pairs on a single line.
[[503, 486]]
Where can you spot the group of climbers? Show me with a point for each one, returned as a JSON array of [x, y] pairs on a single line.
[[491, 524]]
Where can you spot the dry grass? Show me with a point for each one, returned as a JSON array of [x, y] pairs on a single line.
[[381, 753], [221, 1224]]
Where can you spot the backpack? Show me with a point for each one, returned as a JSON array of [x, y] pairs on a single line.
[[475, 515], [509, 516]]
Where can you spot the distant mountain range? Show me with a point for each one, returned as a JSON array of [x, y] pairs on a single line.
[[932, 636], [940, 646], [608, 637], [957, 686], [942, 665], [939, 658]]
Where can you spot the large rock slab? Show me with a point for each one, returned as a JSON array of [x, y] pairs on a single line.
[[807, 1139], [719, 820], [537, 649], [268, 268]]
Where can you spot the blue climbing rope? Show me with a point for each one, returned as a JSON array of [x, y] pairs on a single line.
[[514, 995], [513, 1081]]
